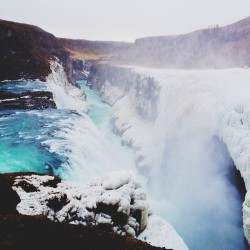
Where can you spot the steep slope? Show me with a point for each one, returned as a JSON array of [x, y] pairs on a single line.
[[227, 46], [25, 51]]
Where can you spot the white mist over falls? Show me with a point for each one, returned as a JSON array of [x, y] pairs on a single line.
[[188, 150], [182, 133]]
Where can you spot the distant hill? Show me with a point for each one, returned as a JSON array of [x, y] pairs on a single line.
[[227, 46], [216, 47], [25, 51], [94, 50]]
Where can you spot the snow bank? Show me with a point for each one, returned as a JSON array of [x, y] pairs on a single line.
[[66, 95]]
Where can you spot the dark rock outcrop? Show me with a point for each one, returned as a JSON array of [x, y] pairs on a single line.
[[37, 232], [125, 213], [80, 69], [9, 198], [25, 51]]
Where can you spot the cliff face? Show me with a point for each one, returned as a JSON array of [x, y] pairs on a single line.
[[114, 83], [25, 52], [227, 46]]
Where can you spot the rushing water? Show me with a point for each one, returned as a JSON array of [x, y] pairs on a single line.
[[65, 142], [99, 113], [22, 134]]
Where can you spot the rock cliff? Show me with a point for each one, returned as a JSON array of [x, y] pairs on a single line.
[[216, 47]]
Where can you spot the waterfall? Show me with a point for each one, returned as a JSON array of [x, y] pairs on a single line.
[[189, 172]]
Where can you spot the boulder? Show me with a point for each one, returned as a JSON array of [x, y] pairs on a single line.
[[9, 198]]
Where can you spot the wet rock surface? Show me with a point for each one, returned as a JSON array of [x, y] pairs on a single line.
[[26, 100]]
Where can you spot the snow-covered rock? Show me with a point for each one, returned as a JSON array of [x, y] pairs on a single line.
[[115, 202], [162, 234]]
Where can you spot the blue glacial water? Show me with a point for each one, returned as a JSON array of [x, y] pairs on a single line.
[[64, 142], [99, 111], [22, 134]]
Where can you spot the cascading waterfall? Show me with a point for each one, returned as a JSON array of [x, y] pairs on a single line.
[[58, 141], [189, 172]]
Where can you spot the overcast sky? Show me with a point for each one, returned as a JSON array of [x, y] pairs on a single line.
[[123, 20]]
